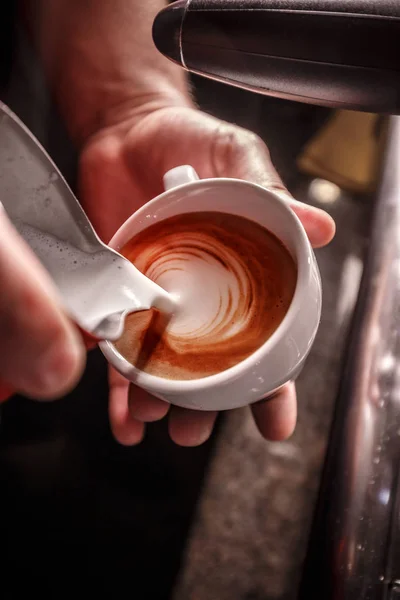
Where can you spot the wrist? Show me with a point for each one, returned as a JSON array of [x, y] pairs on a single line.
[[101, 63], [119, 109]]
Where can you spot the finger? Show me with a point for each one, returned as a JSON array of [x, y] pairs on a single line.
[[127, 430], [250, 160], [42, 354], [189, 427], [5, 392], [88, 339], [103, 175], [144, 407], [319, 226], [276, 416]]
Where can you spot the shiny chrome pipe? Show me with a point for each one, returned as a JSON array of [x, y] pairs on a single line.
[[354, 551]]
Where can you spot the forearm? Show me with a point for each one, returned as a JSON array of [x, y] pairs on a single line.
[[101, 62]]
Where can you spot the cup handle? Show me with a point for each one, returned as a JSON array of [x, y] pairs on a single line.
[[179, 176]]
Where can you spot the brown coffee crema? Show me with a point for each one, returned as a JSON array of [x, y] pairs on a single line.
[[235, 282]]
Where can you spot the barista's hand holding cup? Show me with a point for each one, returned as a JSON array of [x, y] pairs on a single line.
[[247, 287]]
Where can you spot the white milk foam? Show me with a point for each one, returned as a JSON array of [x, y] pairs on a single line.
[[210, 285]]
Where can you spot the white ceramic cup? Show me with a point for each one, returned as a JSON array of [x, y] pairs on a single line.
[[282, 356]]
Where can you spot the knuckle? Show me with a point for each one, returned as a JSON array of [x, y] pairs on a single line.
[[235, 141], [99, 154], [252, 139], [248, 139], [257, 145]]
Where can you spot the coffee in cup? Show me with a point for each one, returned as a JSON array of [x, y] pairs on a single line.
[[233, 280], [249, 291]]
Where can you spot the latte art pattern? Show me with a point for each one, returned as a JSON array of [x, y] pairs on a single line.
[[213, 289], [234, 282]]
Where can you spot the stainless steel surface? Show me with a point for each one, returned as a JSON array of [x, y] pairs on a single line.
[[350, 551], [97, 285]]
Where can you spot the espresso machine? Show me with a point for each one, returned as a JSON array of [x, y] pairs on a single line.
[[342, 54], [336, 53]]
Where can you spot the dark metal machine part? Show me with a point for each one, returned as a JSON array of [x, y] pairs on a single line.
[[355, 545], [335, 53]]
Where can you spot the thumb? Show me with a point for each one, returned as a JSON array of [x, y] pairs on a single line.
[[250, 160]]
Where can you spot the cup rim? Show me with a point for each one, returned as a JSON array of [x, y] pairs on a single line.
[[304, 271]]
